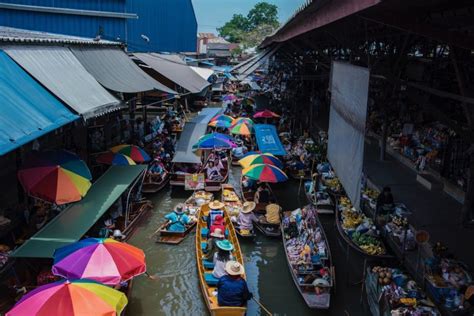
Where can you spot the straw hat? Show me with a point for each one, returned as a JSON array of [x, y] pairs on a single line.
[[225, 245], [248, 207], [217, 233], [118, 234], [215, 205], [234, 268]]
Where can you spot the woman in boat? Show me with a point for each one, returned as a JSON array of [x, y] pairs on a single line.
[[211, 247], [216, 210], [218, 223], [177, 219], [262, 195], [246, 217], [248, 184], [221, 257], [240, 150], [232, 289], [213, 172]]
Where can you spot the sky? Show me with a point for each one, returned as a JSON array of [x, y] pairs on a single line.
[[212, 14]]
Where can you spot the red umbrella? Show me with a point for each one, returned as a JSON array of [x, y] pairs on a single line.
[[265, 114]]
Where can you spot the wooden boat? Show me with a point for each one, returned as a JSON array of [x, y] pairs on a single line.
[[303, 277], [233, 205], [209, 289], [249, 195], [299, 174], [323, 202], [172, 238], [214, 186], [155, 186], [137, 211], [351, 243]]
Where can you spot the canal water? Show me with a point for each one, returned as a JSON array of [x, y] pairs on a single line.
[[177, 292]]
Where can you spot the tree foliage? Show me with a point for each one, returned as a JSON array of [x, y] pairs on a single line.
[[250, 30]]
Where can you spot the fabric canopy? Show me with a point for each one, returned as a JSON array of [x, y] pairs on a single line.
[[113, 69], [72, 223], [60, 72], [25, 101], [248, 69], [205, 73], [191, 133], [268, 140], [173, 68]]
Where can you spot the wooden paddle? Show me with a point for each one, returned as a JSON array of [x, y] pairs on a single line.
[[262, 307]]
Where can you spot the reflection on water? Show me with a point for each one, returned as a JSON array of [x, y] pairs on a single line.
[[177, 291]]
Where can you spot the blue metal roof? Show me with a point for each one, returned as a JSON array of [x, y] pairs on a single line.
[[26, 101]]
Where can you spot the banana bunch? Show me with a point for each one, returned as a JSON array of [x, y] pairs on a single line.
[[351, 219], [334, 184], [345, 202], [373, 249], [371, 193]]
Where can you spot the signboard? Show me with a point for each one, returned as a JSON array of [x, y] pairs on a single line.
[[268, 140], [193, 182]]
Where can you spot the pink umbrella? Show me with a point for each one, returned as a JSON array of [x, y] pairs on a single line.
[[265, 114]]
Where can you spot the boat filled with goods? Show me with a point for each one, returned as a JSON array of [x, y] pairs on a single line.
[[233, 206], [392, 292], [308, 256], [358, 230]]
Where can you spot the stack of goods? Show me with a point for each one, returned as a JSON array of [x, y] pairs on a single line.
[[230, 196], [233, 205], [370, 196], [445, 279], [202, 197], [399, 229], [400, 296], [359, 228], [333, 185], [305, 244]]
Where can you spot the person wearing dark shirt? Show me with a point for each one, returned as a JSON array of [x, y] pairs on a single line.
[[262, 195], [232, 289], [384, 201]]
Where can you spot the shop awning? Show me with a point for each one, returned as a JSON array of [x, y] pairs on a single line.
[[190, 135], [245, 62], [268, 140], [113, 69], [71, 224], [205, 73], [176, 70], [27, 110], [248, 69], [62, 74]]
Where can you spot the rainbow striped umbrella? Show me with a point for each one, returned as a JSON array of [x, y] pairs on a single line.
[[132, 151], [218, 123], [75, 297], [100, 259], [265, 173], [245, 120], [241, 129], [222, 117], [110, 158], [260, 159], [55, 176]]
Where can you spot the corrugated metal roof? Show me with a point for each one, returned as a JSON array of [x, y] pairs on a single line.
[[245, 62], [62, 74], [251, 67], [14, 35], [205, 73], [25, 101], [113, 69], [170, 67]]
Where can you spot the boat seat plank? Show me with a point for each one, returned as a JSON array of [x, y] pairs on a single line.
[[208, 264], [204, 232], [203, 246], [210, 279]]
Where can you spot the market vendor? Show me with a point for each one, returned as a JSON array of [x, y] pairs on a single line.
[[262, 195], [213, 172], [246, 217], [467, 295], [384, 204], [216, 209], [211, 247], [177, 219]]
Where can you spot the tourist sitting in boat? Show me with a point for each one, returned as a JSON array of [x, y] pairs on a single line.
[[213, 172], [211, 247], [218, 223], [246, 217], [262, 195], [215, 210], [221, 257], [232, 289], [240, 150], [177, 219]]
